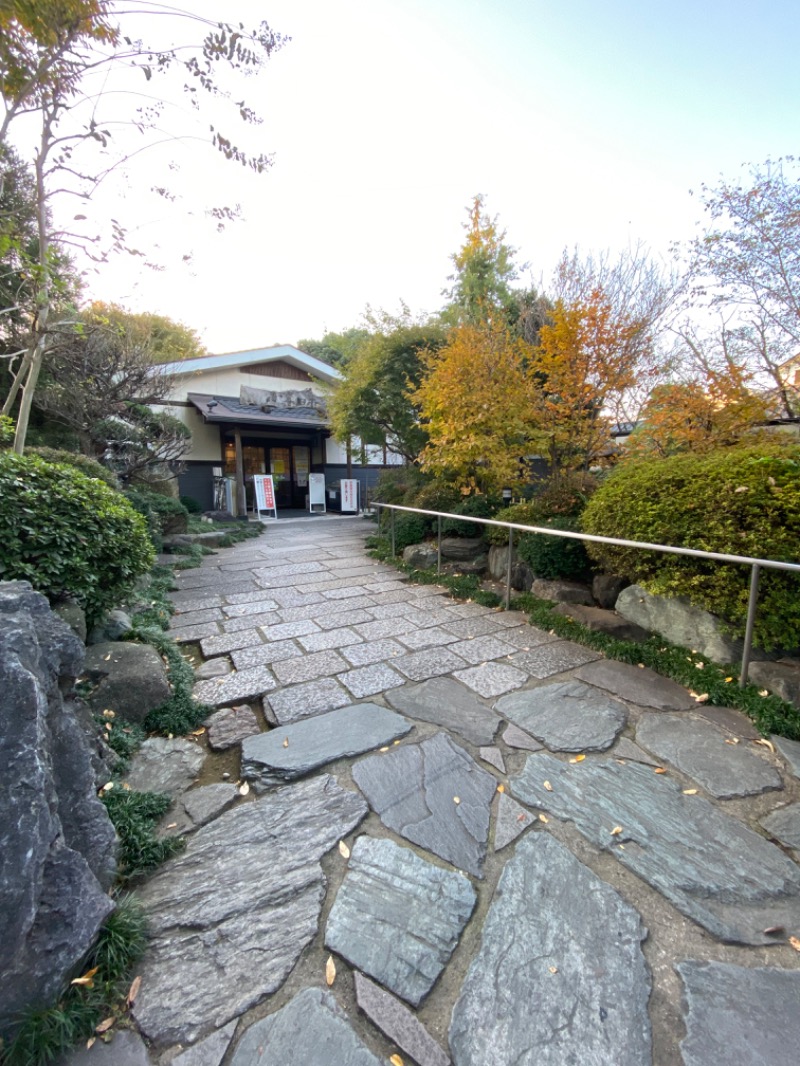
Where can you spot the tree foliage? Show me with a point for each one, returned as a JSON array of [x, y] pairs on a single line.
[[484, 271]]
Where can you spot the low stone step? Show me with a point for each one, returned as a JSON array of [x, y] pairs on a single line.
[[602, 621]]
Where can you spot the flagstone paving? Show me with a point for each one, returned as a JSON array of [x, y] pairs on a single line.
[[550, 858]]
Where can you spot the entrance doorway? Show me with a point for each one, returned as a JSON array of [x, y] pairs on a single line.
[[289, 464]]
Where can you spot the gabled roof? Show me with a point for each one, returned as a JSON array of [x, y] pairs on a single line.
[[229, 409], [286, 353]]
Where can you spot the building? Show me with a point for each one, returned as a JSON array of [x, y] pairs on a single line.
[[262, 412]]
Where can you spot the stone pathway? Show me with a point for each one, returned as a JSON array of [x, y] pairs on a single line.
[[457, 839]]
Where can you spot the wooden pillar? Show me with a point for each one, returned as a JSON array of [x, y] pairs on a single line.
[[241, 498]]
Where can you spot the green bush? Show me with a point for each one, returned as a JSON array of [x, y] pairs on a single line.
[[742, 501], [191, 505], [408, 529], [6, 430], [164, 514], [69, 535], [478, 507], [437, 495], [88, 466], [555, 557]]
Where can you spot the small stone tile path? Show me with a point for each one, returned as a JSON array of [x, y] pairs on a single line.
[[565, 859]]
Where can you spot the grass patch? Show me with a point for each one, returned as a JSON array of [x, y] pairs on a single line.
[[134, 816], [124, 739]]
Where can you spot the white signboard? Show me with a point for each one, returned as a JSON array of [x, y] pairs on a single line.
[[349, 494], [316, 493], [265, 494]]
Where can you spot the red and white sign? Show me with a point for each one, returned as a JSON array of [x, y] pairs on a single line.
[[349, 494], [265, 493]]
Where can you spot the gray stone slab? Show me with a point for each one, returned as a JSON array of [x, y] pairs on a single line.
[[790, 750], [697, 748], [373, 651], [512, 819], [257, 606], [197, 807], [238, 687], [740, 1016], [292, 751], [126, 1048], [526, 637], [370, 680], [163, 765], [208, 1052], [681, 845], [311, 1030], [230, 916], [515, 737], [494, 757], [334, 619], [398, 1023], [226, 642], [265, 654], [784, 825], [727, 718], [476, 626], [195, 618], [545, 660], [435, 795], [308, 667], [639, 685], [314, 697], [482, 649], [420, 665], [190, 634], [627, 750], [229, 727], [213, 668], [239, 625], [398, 917], [339, 637], [285, 630], [492, 679], [561, 941], [569, 716], [446, 703], [433, 637]]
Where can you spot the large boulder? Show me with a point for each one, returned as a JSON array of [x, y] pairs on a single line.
[[521, 573], [130, 679], [421, 556], [463, 549], [57, 845], [562, 591]]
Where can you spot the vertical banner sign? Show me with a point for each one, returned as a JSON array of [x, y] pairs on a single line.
[[316, 493], [349, 494], [265, 494]]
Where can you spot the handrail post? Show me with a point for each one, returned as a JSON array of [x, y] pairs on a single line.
[[508, 568], [748, 632], [394, 551], [439, 546]]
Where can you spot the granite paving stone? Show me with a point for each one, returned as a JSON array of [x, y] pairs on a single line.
[[165, 765], [515, 737], [229, 727], [681, 845], [433, 794], [382, 628], [465, 610], [195, 618], [511, 619], [190, 634], [292, 751], [308, 667], [189, 601], [512, 819], [435, 637], [790, 750], [349, 592], [340, 637], [569, 716], [371, 680], [331, 619], [284, 630], [397, 917], [311, 1030], [740, 1016], [265, 654], [639, 685], [559, 938], [492, 679], [373, 651], [314, 697], [468, 628], [237, 625], [446, 703], [494, 757], [699, 750], [398, 1023], [218, 667], [526, 637], [784, 825], [420, 665], [227, 642], [249, 599], [238, 687], [257, 606], [230, 915], [545, 660], [482, 649]]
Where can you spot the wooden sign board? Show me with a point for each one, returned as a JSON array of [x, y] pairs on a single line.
[[265, 495]]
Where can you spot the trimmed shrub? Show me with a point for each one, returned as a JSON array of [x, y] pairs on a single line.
[[478, 507], [408, 529], [742, 501], [88, 466], [191, 504], [437, 496], [555, 557], [69, 535]]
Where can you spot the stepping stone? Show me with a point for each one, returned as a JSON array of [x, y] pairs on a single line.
[[229, 727], [784, 825], [569, 716], [197, 807], [516, 738], [728, 718], [637, 685], [698, 749], [311, 1030], [740, 1016], [398, 917], [492, 679], [213, 668], [512, 819], [163, 765], [230, 916], [494, 757], [301, 701], [126, 1048], [630, 752], [208, 1052], [790, 750], [561, 941], [448, 704], [554, 658], [681, 845], [433, 794], [238, 687], [398, 1023], [292, 751]]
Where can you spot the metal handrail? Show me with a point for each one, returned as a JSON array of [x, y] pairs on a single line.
[[721, 557]]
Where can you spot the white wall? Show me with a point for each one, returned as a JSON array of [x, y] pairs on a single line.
[[228, 382], [206, 444]]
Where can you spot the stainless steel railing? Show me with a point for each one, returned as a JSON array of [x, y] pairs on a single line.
[[756, 565]]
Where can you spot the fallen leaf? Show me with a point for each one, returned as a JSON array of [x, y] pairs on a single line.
[[330, 971], [396, 741], [396, 1060], [553, 969], [91, 1042], [501, 788], [690, 792], [774, 930], [199, 732], [728, 680], [344, 851], [615, 832], [109, 714], [456, 799], [763, 692], [86, 979], [384, 749], [286, 742], [133, 991], [244, 789], [795, 943], [107, 786], [700, 666], [548, 786], [732, 740], [542, 818], [765, 744], [640, 665], [578, 758], [702, 699], [659, 770], [105, 1025], [172, 825]]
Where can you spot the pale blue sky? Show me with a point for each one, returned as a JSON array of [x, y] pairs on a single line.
[[582, 122]]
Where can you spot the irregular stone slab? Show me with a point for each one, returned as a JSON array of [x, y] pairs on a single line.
[[414, 790], [512, 819], [208, 1052], [446, 703], [639, 685], [681, 845], [739, 1015], [569, 716], [125, 1049], [782, 678], [213, 668], [131, 679], [229, 727], [398, 917], [398, 1023], [230, 916], [698, 749], [734, 721], [163, 765], [238, 687], [790, 750], [268, 760], [626, 749], [784, 825], [494, 757], [300, 701], [311, 1030], [516, 738], [602, 621], [560, 939], [560, 591], [544, 660], [197, 807], [680, 622], [491, 679]]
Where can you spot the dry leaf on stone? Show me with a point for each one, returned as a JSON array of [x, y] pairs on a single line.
[[286, 742], [542, 818], [795, 943], [244, 789], [86, 979], [396, 1060], [501, 788], [344, 851], [384, 749], [765, 744], [577, 758], [774, 930], [105, 1025], [548, 786], [690, 792], [91, 1042], [659, 770], [615, 832], [456, 799], [199, 732], [133, 991], [763, 692], [330, 971], [553, 969]]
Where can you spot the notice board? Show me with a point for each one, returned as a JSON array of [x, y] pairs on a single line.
[[265, 494], [349, 495], [316, 493]]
